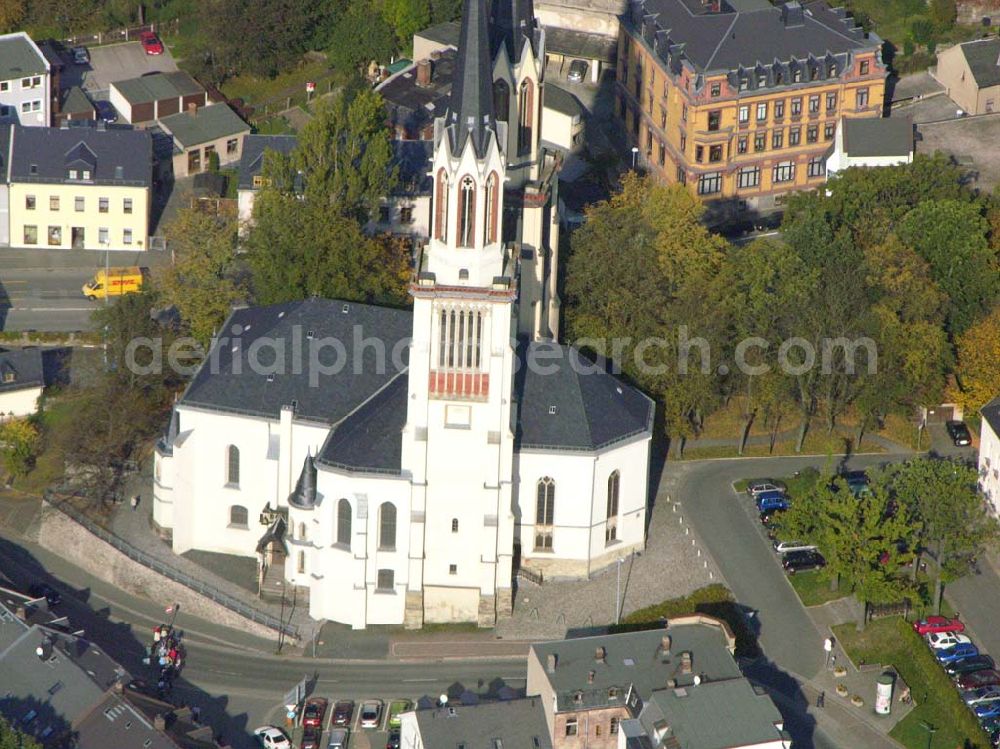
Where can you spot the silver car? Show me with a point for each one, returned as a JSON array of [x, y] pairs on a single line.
[[783, 547], [338, 738], [577, 71]]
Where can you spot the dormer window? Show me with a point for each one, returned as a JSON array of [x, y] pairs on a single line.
[[72, 173], [33, 169], [833, 70], [86, 174], [796, 76]]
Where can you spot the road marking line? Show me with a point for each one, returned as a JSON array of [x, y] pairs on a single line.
[[50, 309]]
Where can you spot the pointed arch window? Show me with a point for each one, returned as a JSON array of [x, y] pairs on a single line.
[[233, 465], [492, 208], [466, 212], [611, 517], [387, 526], [441, 207], [525, 114], [344, 522], [302, 531], [544, 513], [501, 99]]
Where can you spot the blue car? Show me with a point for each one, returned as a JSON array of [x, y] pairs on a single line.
[[956, 652], [771, 501], [987, 709]]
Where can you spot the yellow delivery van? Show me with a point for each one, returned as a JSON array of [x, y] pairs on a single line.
[[114, 282]]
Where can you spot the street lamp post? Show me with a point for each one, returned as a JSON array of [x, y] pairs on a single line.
[[618, 592], [635, 153]]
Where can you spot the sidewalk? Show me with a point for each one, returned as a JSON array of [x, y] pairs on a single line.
[[11, 258]]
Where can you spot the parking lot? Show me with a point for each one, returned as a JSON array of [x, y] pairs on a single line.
[[115, 62], [357, 737]]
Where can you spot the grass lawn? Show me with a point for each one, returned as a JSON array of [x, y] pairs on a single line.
[[817, 442], [274, 126], [892, 641], [292, 82], [814, 588]]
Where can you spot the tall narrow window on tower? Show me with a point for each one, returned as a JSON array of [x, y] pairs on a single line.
[[525, 114], [501, 99], [492, 206], [441, 207], [459, 361], [466, 212]]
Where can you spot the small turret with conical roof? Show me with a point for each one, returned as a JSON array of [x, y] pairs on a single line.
[[304, 496]]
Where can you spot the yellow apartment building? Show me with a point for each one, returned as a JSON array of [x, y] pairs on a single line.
[[78, 188], [740, 99]]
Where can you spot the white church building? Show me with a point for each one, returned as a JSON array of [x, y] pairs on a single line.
[[398, 466]]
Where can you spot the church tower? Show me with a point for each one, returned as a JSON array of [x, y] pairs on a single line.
[[458, 442]]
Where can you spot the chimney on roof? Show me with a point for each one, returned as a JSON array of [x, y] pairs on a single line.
[[160, 722], [436, 55], [792, 13], [424, 68], [686, 662], [590, 676], [21, 612], [102, 125], [192, 108], [550, 663], [665, 644], [599, 654]]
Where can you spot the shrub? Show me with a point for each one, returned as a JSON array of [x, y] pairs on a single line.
[[922, 31], [908, 46]]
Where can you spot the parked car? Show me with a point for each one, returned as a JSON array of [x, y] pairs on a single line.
[[151, 43], [941, 640], [800, 561], [968, 665], [371, 713], [783, 547], [956, 652], [986, 678], [857, 482], [397, 708], [989, 709], [272, 737], [343, 711], [981, 694], [937, 624], [758, 486], [50, 594], [105, 111], [338, 738], [959, 433], [393, 741], [311, 736], [577, 71], [81, 56], [314, 712], [771, 501], [770, 522]]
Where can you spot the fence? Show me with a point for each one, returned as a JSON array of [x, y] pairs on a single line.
[[127, 34], [158, 566]]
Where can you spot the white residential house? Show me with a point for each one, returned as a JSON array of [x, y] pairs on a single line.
[[25, 81], [397, 466], [251, 177], [989, 454], [871, 142], [21, 382]]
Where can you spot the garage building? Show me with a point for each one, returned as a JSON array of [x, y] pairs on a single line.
[[153, 97]]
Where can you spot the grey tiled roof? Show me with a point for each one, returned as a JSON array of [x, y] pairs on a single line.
[[49, 150], [562, 101], [207, 124], [747, 33], [878, 136], [516, 724], [75, 101], [252, 159], [19, 58], [443, 33], [26, 365], [238, 389], [632, 659], [564, 401], [158, 86], [983, 58], [580, 44], [991, 414], [414, 107]]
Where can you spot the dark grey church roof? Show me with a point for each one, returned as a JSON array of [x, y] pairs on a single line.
[[42, 154], [566, 402], [370, 439], [252, 160], [236, 388], [513, 724], [878, 136], [747, 32], [26, 366], [983, 58], [513, 24], [991, 414], [470, 108]]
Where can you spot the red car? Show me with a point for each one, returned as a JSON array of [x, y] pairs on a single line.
[[986, 678], [937, 624], [151, 43], [314, 712]]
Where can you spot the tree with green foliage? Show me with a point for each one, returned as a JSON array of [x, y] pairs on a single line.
[[19, 443], [204, 282], [12, 13], [922, 31], [951, 235], [406, 18], [944, 13], [359, 37], [445, 10], [11, 738], [951, 521]]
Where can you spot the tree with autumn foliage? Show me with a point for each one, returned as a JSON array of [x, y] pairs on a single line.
[[19, 442], [978, 366]]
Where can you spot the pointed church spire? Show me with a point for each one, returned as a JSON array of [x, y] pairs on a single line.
[[514, 22], [304, 496], [470, 109]]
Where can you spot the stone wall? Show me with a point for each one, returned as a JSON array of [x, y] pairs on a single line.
[[63, 536], [973, 11]]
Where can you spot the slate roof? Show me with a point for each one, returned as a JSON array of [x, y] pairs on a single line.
[[206, 124], [370, 439], [252, 159], [470, 107], [714, 715], [991, 414], [414, 107], [983, 58], [514, 724], [878, 136], [747, 32], [19, 57], [26, 365], [443, 33], [562, 101], [158, 86], [235, 388], [633, 659], [566, 402], [48, 148], [74, 101]]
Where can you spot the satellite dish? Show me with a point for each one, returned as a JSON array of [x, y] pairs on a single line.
[[697, 680], [444, 699]]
